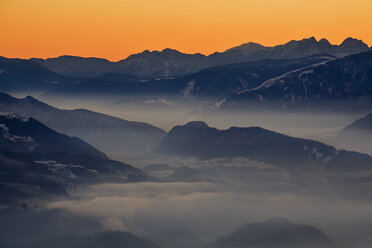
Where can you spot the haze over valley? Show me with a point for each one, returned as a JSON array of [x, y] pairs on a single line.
[[255, 147]]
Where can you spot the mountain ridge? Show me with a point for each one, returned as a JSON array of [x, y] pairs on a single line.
[[26, 134], [343, 82], [215, 82], [37, 161], [198, 140], [98, 129], [170, 62]]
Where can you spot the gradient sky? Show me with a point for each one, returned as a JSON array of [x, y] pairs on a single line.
[[114, 29]]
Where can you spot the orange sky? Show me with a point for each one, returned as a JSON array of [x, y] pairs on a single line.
[[113, 29]]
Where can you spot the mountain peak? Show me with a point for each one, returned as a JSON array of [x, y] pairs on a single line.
[[351, 45], [170, 51], [74, 58], [350, 40], [353, 42], [250, 46], [196, 124], [312, 38], [324, 41], [148, 53], [30, 98], [306, 41]]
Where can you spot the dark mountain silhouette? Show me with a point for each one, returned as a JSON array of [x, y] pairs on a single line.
[[277, 232], [166, 63], [305, 47], [228, 79], [76, 66], [36, 161], [237, 69], [24, 75], [351, 45], [169, 62], [144, 65], [25, 175], [212, 83], [339, 84], [291, 50], [104, 131], [250, 47], [29, 135], [197, 139]]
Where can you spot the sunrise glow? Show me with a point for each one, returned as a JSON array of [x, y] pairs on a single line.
[[114, 29]]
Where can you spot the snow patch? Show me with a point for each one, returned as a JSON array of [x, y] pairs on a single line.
[[305, 72], [216, 106], [188, 89], [11, 116]]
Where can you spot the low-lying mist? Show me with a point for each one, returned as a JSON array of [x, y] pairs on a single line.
[[177, 213], [166, 113], [190, 202]]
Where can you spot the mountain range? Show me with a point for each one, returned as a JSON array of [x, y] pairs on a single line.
[[305, 74], [318, 83], [211, 83], [46, 153], [197, 139], [339, 84], [106, 132], [27, 76], [169, 62]]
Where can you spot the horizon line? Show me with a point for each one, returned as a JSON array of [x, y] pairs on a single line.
[[186, 53]]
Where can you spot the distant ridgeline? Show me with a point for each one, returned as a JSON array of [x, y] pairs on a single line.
[[299, 75], [170, 63]]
